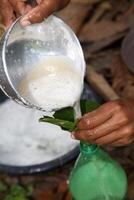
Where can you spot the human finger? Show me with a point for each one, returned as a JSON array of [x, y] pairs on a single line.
[[6, 13], [124, 135], [42, 10], [37, 14], [20, 6], [97, 117], [122, 142]]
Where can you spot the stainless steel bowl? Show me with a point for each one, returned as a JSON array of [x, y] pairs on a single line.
[[21, 48]]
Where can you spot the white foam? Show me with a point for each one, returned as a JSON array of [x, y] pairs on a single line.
[[24, 141], [53, 84]]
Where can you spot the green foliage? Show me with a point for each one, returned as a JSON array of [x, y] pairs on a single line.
[[66, 114], [65, 125], [88, 106], [3, 187], [65, 117], [18, 192], [29, 190]]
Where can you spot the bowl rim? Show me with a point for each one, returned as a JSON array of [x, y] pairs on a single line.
[[43, 167], [18, 98]]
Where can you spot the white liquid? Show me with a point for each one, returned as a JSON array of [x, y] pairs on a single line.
[[77, 110], [24, 141], [55, 83]]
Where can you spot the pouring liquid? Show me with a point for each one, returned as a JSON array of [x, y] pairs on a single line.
[[53, 84]]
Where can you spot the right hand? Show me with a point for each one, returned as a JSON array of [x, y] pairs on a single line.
[[112, 123]]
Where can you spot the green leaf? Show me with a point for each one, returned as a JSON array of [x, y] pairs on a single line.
[[65, 114], [65, 125], [29, 190], [3, 187], [10, 197], [18, 192], [88, 106], [65, 117]]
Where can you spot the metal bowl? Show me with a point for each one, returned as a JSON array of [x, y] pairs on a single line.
[[22, 48], [9, 163]]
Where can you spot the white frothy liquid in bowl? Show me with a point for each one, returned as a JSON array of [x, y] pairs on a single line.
[[24, 141], [53, 84]]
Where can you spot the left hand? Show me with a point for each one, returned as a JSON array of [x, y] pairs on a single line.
[[112, 123], [11, 9]]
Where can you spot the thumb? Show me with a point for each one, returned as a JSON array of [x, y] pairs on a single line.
[[37, 14]]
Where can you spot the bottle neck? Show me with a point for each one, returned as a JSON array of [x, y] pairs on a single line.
[[87, 148]]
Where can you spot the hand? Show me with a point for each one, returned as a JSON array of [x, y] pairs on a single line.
[[112, 123], [11, 9]]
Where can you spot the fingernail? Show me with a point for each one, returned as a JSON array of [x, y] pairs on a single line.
[[25, 23]]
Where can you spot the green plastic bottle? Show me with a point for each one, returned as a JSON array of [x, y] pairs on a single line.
[[96, 176]]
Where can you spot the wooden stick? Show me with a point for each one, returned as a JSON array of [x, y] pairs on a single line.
[[99, 83]]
